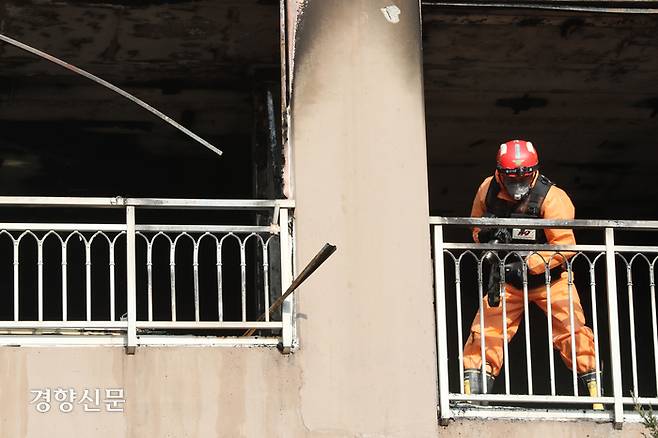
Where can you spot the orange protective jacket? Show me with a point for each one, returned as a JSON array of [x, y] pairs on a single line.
[[556, 205]]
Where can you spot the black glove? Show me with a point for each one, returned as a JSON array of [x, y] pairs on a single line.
[[493, 286], [514, 273], [502, 235]]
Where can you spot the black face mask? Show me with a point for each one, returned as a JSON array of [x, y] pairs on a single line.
[[517, 186]]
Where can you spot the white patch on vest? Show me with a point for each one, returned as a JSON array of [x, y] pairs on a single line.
[[520, 234], [503, 149], [531, 148]]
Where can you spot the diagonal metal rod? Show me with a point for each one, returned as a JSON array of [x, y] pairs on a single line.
[[114, 88], [326, 251]]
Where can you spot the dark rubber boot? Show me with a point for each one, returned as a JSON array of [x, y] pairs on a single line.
[[473, 381]]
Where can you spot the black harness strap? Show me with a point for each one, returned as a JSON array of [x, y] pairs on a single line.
[[537, 196], [530, 208], [494, 205]]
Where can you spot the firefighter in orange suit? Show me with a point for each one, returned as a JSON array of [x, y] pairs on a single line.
[[517, 189]]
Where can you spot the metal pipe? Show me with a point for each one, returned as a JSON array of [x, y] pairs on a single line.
[[521, 398], [441, 327], [266, 281], [112, 87], [523, 247], [46, 340], [572, 330], [149, 278], [613, 321], [112, 269], [654, 328], [483, 334], [40, 277], [543, 223], [131, 281], [641, 400], [208, 228], [88, 279], [82, 325], [503, 294], [61, 227], [172, 279], [526, 320], [250, 204], [545, 6], [209, 324], [195, 268], [460, 340], [546, 247], [595, 328], [549, 318], [631, 322], [243, 280], [16, 264], [325, 252], [64, 285], [220, 295], [118, 201]]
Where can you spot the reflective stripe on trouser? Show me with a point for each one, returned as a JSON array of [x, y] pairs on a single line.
[[493, 323]]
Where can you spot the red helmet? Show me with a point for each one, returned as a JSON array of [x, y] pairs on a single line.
[[517, 163]]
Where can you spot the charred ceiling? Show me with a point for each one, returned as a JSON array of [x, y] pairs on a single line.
[[582, 86], [208, 64]]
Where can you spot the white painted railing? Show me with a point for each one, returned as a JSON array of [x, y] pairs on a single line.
[[617, 289], [118, 263]]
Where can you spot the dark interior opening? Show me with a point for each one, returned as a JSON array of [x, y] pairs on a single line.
[[581, 86], [212, 65]]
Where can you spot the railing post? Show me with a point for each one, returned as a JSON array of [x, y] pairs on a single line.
[[131, 280], [613, 321], [441, 333], [285, 244]]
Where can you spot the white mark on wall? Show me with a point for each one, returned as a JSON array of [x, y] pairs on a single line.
[[392, 13]]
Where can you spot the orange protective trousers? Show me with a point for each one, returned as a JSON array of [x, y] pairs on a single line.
[[494, 332]]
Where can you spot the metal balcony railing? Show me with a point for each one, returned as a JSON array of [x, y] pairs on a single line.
[[136, 282], [616, 285]]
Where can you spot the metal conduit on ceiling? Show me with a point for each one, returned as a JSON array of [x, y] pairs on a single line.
[[614, 7]]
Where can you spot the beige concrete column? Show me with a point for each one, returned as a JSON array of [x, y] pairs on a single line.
[[366, 323]]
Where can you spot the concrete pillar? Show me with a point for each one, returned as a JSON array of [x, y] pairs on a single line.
[[365, 319]]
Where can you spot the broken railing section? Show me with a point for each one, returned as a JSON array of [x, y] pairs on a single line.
[[148, 282], [616, 285]]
